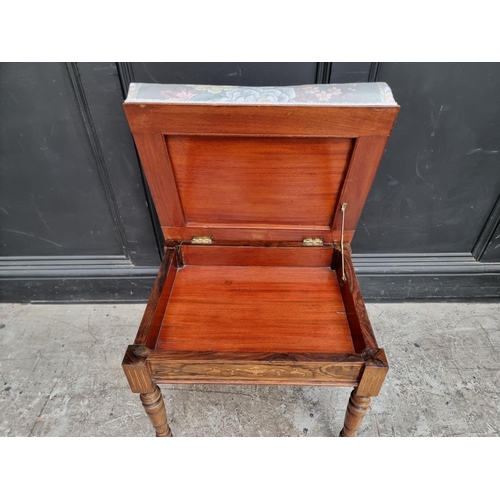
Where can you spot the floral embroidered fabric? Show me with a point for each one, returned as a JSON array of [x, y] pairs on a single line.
[[348, 94]]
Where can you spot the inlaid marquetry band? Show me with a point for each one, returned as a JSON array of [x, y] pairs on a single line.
[[301, 373]]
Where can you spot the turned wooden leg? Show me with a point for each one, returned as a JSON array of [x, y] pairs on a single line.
[[356, 410], [155, 408]]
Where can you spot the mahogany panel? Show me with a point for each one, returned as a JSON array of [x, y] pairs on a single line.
[[156, 358], [357, 315], [259, 180], [157, 303], [156, 164], [215, 255], [364, 163], [259, 309], [328, 121], [256, 225]]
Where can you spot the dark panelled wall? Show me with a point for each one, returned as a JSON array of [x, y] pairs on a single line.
[[74, 220], [433, 208], [440, 175], [45, 150], [76, 223]]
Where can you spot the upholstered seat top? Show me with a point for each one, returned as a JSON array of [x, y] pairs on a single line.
[[347, 94]]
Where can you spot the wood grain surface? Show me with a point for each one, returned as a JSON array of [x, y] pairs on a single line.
[[212, 367], [261, 309], [364, 163], [356, 410], [374, 373], [156, 164], [137, 368], [328, 121], [155, 408], [155, 309], [357, 315], [259, 180], [314, 373], [215, 255], [259, 173]]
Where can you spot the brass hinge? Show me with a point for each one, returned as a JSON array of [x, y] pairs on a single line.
[[312, 242], [201, 240]]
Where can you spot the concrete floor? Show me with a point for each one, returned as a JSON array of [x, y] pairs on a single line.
[[61, 376]]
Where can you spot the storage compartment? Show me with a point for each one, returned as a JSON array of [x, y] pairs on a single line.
[[260, 309], [258, 205], [215, 316], [216, 299]]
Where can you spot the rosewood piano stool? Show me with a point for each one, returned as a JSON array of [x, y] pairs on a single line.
[[258, 192]]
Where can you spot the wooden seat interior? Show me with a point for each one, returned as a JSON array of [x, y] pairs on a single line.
[[255, 309]]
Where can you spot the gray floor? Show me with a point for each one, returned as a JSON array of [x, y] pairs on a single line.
[[61, 376]]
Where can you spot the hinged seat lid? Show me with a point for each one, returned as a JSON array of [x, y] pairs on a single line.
[[260, 163]]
